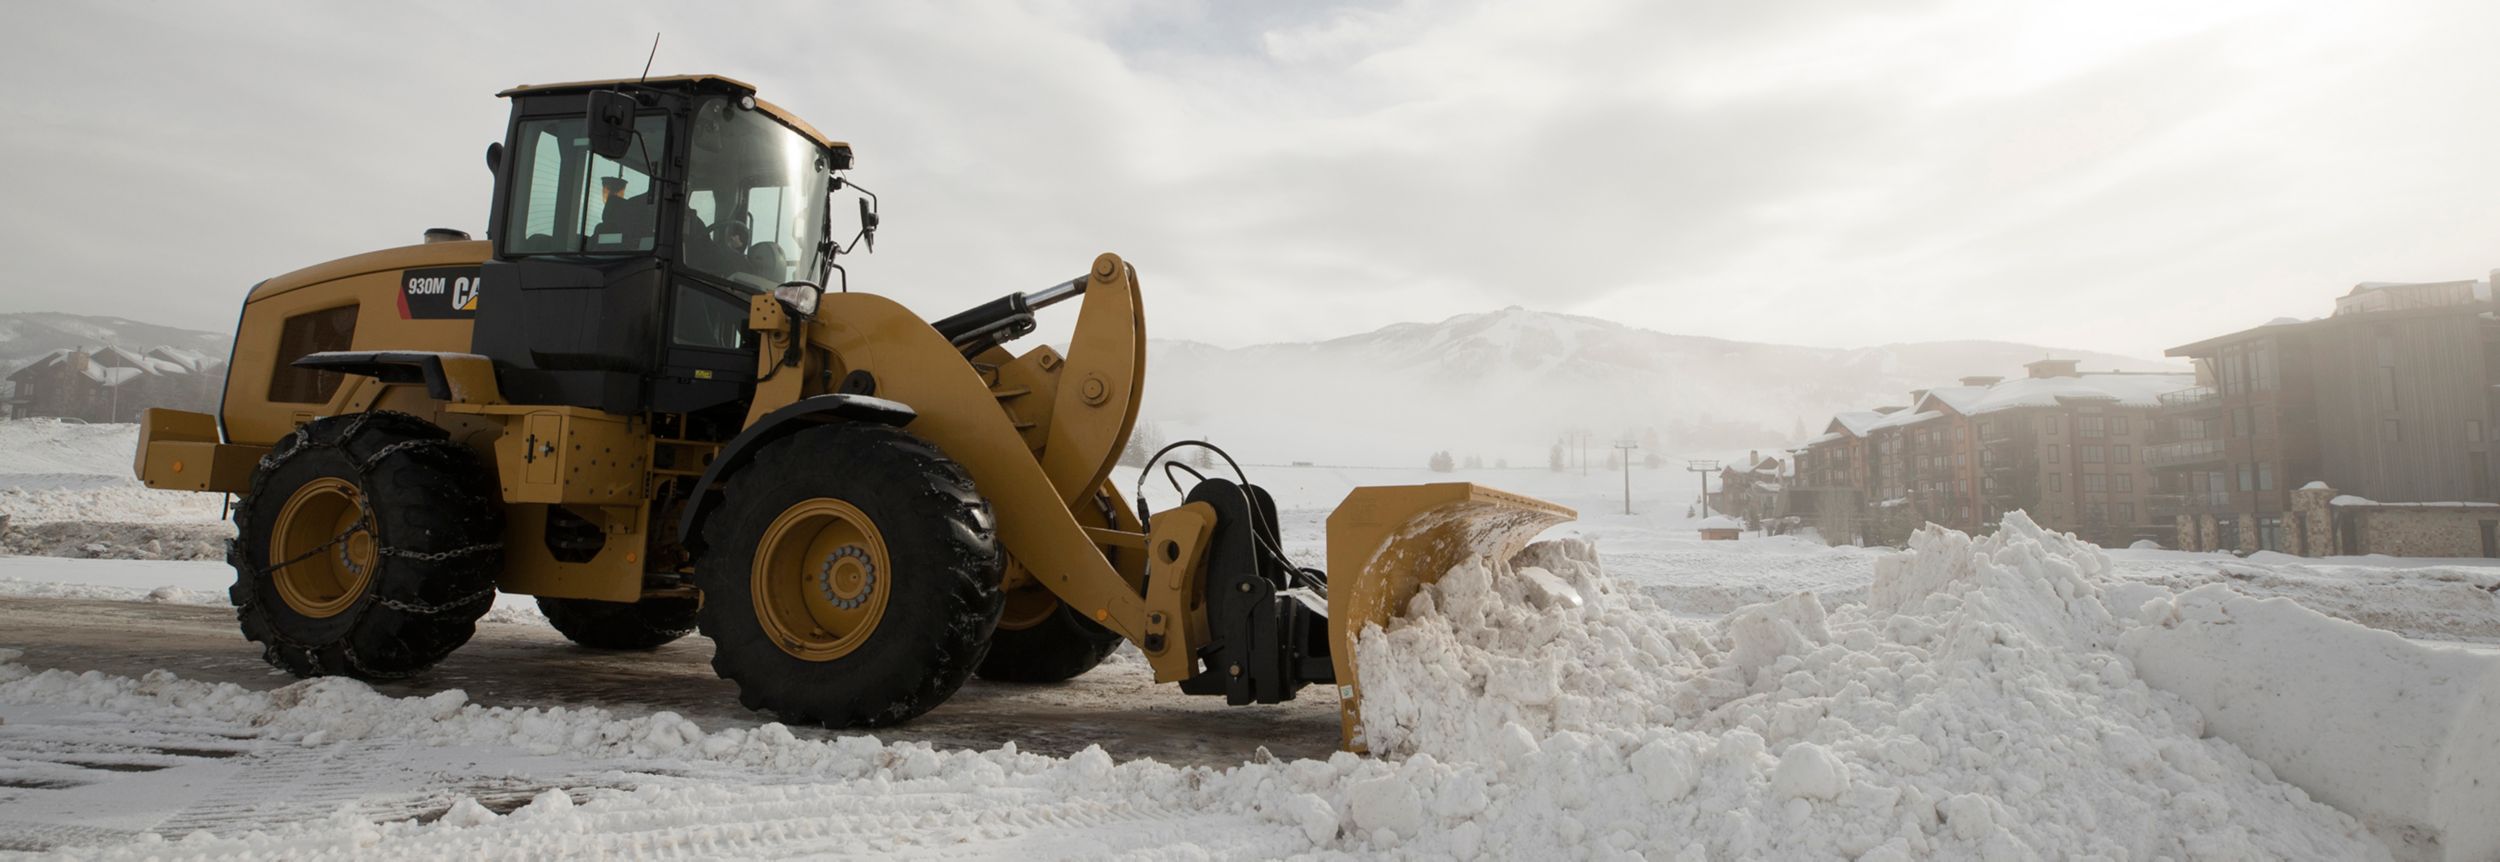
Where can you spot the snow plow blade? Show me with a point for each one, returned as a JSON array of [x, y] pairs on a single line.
[[1387, 541]]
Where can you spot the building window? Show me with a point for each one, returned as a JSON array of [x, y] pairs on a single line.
[[2265, 476], [2057, 482], [2055, 458], [2089, 454], [2248, 477], [1984, 426], [2095, 483], [2391, 431], [2118, 426], [2088, 426], [2126, 483], [2261, 366], [2270, 533], [2124, 512], [2121, 454], [2473, 431], [2243, 423]]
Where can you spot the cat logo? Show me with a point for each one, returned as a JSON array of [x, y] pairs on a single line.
[[443, 293]]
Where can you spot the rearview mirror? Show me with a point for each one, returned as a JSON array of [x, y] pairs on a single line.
[[868, 223], [611, 117]]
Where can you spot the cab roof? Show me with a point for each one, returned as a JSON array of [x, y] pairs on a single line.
[[714, 83]]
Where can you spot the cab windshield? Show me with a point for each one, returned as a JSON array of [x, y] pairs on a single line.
[[755, 198]]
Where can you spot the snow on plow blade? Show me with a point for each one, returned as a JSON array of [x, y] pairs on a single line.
[[1387, 541]]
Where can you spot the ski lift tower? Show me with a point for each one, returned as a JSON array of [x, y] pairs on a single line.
[[1705, 468]]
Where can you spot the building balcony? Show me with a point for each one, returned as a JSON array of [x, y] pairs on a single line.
[[2183, 453], [2192, 503], [2196, 398]]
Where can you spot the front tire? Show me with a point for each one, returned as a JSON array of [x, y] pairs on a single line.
[[368, 547], [850, 578], [1042, 640], [644, 625]]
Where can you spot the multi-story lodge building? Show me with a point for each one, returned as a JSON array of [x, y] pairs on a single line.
[[2058, 443], [2388, 399]]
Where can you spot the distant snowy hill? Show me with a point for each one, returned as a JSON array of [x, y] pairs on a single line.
[[28, 336], [1505, 384], [1500, 385]]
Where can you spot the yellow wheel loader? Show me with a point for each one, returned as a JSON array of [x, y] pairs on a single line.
[[637, 401]]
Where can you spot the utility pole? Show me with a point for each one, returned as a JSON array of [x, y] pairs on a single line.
[[1704, 468], [1627, 447]]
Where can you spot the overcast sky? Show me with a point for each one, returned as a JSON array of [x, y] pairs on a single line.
[[2110, 175]]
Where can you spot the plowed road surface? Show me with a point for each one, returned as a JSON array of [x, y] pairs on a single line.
[[1117, 706]]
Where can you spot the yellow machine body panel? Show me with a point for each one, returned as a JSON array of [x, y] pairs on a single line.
[[353, 303]]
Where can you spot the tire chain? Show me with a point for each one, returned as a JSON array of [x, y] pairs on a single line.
[[363, 468]]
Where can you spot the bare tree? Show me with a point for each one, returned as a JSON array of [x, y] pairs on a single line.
[[1142, 444], [1443, 463]]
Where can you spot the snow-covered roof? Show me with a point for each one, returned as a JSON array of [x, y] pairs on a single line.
[[2349, 500], [1960, 398], [1833, 437], [2314, 485], [1905, 418], [2125, 390], [1855, 422], [1719, 522], [113, 375], [189, 360]]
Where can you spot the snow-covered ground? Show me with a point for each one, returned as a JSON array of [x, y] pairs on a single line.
[[2015, 696], [66, 490]]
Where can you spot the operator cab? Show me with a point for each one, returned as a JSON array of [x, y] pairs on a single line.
[[633, 221]]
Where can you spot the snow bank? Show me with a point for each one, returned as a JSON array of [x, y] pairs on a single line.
[[2404, 735], [1977, 705], [1983, 701]]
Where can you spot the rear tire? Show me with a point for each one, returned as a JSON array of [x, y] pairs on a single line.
[[644, 625], [368, 546], [850, 577], [1060, 646]]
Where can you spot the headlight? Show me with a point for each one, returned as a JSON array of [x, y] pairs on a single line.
[[799, 295]]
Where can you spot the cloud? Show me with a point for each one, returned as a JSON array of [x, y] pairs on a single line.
[[2123, 176]]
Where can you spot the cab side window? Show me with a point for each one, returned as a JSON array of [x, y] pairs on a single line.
[[568, 200]]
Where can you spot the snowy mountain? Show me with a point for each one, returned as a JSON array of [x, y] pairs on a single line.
[[1504, 385], [28, 336]]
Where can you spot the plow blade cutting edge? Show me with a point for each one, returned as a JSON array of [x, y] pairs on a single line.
[[1387, 542]]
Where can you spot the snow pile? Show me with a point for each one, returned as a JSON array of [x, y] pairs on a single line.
[[66, 490], [1978, 704], [2404, 735]]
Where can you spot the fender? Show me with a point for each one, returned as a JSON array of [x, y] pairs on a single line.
[[457, 378], [797, 416]]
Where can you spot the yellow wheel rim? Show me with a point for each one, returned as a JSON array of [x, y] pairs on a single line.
[[327, 573], [821, 579]]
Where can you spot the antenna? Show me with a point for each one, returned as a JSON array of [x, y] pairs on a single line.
[[655, 54]]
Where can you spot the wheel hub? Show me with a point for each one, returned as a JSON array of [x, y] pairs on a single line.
[[817, 579], [848, 577], [322, 549]]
